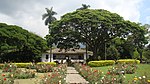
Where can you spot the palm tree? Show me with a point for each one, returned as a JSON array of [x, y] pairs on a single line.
[[84, 6], [49, 18]]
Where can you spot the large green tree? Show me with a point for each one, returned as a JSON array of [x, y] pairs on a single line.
[[95, 27], [17, 44]]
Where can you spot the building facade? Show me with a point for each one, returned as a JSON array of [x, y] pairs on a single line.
[[62, 55]]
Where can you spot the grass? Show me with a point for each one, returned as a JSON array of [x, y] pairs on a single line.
[[142, 70]]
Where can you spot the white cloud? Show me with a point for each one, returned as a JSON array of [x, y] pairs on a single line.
[[28, 14]]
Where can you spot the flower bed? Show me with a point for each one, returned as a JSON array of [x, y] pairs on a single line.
[[42, 68], [5, 80], [22, 74], [123, 69], [140, 80], [8, 67], [56, 77], [88, 73], [97, 76]]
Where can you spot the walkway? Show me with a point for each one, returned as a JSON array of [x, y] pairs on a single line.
[[73, 77]]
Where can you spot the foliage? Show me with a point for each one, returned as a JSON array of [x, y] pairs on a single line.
[[96, 27], [42, 68], [98, 77], [112, 79], [128, 61], [88, 73], [112, 53], [48, 63], [22, 65], [56, 77], [49, 16], [19, 45], [122, 69], [22, 74], [5, 80], [101, 63], [9, 67], [140, 80]]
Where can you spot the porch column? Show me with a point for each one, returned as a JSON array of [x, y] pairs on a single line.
[[85, 56], [51, 57]]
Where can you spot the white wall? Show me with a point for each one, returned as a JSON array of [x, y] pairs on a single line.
[[43, 58]]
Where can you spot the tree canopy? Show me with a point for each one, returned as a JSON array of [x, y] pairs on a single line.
[[17, 44], [96, 27]]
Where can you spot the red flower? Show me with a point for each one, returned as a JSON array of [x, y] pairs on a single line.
[[3, 74], [4, 79], [108, 73], [95, 70], [48, 74]]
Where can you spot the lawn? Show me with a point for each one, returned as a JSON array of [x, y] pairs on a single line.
[[142, 69]]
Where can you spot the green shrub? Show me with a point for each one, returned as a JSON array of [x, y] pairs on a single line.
[[49, 63], [122, 69], [101, 63], [22, 65], [1, 66], [5, 80], [128, 61], [42, 68], [9, 67], [22, 74]]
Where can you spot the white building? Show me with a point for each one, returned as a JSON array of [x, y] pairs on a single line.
[[61, 55]]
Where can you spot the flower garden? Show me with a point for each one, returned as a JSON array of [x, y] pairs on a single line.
[[95, 72]]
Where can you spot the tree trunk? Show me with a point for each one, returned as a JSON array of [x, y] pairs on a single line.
[[140, 57], [140, 52], [50, 53], [95, 57]]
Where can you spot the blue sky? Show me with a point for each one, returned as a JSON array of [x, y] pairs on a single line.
[[28, 13], [145, 12]]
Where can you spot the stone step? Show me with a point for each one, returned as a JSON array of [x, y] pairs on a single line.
[[73, 77]]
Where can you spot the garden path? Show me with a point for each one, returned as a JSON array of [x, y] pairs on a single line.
[[73, 77]]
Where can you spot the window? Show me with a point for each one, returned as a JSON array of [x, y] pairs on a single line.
[[54, 56], [81, 57], [46, 56]]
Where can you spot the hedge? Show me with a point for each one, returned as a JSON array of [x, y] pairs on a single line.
[[22, 65], [101, 63], [128, 61], [49, 63]]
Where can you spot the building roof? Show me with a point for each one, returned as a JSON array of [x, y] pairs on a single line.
[[69, 51]]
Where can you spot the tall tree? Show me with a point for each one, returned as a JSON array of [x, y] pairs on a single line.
[[95, 27], [49, 18], [19, 45]]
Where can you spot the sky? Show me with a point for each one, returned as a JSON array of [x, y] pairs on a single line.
[[28, 13]]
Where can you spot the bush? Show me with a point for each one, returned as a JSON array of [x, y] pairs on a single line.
[[128, 61], [101, 63], [123, 69], [22, 65], [42, 68], [1, 66], [88, 73], [56, 77], [5, 80], [22, 74], [49, 63], [8, 67]]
